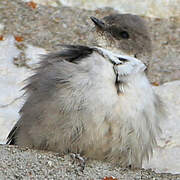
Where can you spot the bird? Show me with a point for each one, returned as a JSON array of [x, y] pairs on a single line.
[[95, 100]]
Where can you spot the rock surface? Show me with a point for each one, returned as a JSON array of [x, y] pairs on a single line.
[[167, 156], [158, 8], [47, 27], [20, 163]]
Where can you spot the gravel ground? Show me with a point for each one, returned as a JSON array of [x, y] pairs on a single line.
[[47, 27], [21, 163]]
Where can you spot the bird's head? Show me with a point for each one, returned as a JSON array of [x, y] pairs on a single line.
[[124, 34]]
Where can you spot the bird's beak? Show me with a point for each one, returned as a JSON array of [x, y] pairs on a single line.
[[98, 23]]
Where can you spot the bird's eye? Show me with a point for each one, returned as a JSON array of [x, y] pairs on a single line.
[[118, 33], [124, 34]]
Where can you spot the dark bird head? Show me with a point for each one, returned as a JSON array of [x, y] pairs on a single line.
[[124, 34]]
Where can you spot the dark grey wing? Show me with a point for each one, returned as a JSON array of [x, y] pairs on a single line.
[[71, 53], [11, 139]]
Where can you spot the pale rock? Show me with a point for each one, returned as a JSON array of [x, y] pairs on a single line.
[[158, 8], [167, 156], [152, 8], [53, 3], [12, 81], [33, 54], [1, 28]]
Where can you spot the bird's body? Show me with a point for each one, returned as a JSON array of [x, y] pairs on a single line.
[[90, 101]]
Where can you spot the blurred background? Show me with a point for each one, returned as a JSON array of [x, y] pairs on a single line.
[[153, 8]]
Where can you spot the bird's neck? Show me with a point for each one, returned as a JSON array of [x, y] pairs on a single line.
[[101, 41]]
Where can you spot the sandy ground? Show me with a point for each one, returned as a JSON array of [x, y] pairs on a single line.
[[21, 163]]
